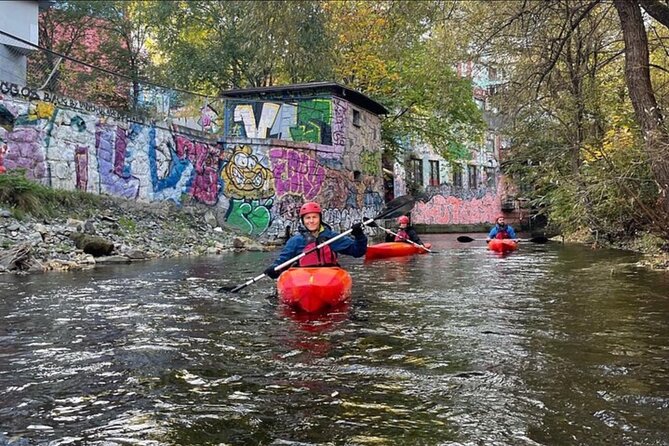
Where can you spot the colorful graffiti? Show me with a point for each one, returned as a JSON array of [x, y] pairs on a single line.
[[296, 173], [256, 185], [450, 209], [245, 175], [307, 121], [253, 217]]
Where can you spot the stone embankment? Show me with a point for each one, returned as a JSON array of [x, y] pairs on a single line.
[[119, 232]]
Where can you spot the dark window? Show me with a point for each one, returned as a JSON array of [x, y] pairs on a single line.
[[356, 118], [416, 170], [357, 175], [473, 180], [457, 176], [434, 173], [490, 174]]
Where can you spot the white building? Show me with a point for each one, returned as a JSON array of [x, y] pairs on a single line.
[[18, 18]]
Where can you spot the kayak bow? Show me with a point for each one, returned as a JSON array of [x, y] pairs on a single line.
[[314, 289], [502, 245]]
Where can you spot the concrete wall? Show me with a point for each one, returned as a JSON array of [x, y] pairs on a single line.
[[253, 184]]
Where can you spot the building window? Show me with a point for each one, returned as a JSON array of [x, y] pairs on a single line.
[[473, 180], [416, 170], [457, 176], [490, 176], [356, 118], [434, 173], [357, 175]]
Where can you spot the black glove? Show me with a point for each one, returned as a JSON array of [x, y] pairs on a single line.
[[271, 273], [357, 230]]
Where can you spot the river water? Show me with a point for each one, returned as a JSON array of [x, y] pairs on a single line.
[[551, 345]]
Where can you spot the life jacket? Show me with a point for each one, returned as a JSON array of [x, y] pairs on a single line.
[[501, 233], [402, 235], [320, 257]]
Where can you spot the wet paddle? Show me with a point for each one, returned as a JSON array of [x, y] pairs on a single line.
[[539, 239], [392, 209], [406, 240]]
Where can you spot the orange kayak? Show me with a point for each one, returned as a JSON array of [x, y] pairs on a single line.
[[314, 289], [502, 245], [393, 249]]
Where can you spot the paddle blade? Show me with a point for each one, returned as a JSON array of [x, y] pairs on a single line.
[[399, 206], [539, 239], [465, 239]]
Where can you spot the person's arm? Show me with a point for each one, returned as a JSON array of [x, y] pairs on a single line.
[[390, 237], [413, 236], [356, 247], [291, 249], [492, 233], [511, 232]]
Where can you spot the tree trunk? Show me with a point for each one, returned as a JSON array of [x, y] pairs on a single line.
[[637, 76]]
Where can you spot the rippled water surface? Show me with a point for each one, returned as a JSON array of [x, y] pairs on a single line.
[[550, 345]]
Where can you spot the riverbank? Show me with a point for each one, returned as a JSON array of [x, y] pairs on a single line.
[[110, 230], [654, 249]]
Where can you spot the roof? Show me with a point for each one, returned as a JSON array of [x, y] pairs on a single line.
[[293, 90]]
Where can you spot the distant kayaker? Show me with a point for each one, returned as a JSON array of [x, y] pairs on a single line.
[[404, 233], [501, 230], [313, 232]]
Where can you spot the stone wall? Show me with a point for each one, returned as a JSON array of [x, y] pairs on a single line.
[[255, 185]]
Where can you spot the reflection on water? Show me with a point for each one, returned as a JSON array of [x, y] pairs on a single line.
[[548, 345]]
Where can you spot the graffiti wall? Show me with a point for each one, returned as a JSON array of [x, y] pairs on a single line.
[[280, 157], [344, 136], [448, 205]]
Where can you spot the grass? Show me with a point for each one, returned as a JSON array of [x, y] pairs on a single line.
[[24, 196]]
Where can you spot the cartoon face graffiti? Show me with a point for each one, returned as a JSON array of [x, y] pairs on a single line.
[[245, 177]]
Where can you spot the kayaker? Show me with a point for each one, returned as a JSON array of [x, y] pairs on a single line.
[[313, 232], [501, 230], [404, 233]]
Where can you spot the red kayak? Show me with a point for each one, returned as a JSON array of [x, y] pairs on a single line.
[[502, 245], [393, 249], [314, 289]]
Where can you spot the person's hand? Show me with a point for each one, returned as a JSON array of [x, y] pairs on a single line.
[[357, 230], [272, 273]]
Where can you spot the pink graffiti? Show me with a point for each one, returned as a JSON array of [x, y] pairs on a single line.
[[205, 163], [453, 210], [81, 166], [25, 151], [296, 173]]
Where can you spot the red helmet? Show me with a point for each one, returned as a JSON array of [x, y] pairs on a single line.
[[310, 207], [403, 220]]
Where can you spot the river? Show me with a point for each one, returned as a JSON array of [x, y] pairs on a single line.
[[553, 344]]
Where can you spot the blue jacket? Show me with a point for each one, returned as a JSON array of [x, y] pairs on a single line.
[[345, 245], [496, 229]]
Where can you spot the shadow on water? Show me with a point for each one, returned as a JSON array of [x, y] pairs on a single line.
[[551, 344]]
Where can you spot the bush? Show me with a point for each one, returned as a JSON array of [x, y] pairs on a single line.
[[25, 196]]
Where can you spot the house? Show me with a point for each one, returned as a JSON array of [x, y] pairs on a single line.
[[464, 195], [285, 145], [18, 18]]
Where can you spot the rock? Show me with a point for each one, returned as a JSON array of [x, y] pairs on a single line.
[[218, 229], [90, 244], [113, 259], [76, 225], [14, 227], [238, 243], [39, 227], [137, 254], [35, 237], [89, 227], [4, 213], [210, 218]]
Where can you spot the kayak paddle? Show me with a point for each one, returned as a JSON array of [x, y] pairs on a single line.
[[539, 239], [406, 240], [392, 209]]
